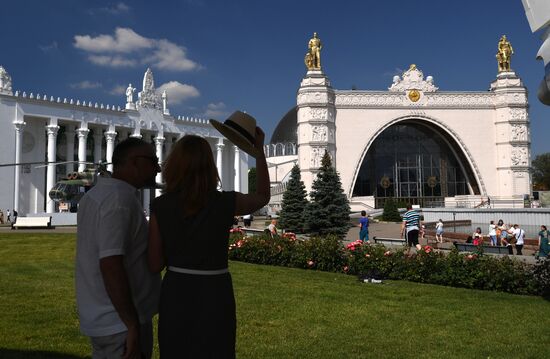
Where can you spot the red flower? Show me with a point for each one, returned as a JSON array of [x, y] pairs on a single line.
[[428, 249]]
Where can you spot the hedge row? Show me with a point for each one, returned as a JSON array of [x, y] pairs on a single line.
[[426, 266]]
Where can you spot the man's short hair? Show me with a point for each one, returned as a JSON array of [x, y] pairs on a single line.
[[123, 149], [409, 206], [363, 213]]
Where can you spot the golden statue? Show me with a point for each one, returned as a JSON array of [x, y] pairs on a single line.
[[313, 56], [504, 54]]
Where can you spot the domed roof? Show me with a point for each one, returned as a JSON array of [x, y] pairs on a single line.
[[286, 130]]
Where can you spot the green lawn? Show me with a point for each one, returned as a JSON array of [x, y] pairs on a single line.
[[282, 313]]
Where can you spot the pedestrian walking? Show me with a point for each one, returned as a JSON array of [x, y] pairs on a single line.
[[493, 233]]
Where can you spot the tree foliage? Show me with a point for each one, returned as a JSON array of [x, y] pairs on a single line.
[[328, 212], [294, 202], [391, 213], [541, 171]]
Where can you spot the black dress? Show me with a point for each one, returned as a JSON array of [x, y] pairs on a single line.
[[197, 312]]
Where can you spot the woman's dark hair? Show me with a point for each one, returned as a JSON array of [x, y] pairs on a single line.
[[190, 170]]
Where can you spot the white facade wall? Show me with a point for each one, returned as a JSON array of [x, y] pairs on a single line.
[[488, 129], [33, 114]]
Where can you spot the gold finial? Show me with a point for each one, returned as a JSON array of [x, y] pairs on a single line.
[[412, 67], [313, 56], [504, 54]]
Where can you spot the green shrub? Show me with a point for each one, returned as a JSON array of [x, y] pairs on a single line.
[[426, 266], [391, 213]]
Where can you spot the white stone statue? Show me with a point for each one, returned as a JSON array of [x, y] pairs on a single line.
[[5, 81], [130, 94]]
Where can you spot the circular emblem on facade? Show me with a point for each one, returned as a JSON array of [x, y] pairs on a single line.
[[431, 181], [414, 95], [385, 182]]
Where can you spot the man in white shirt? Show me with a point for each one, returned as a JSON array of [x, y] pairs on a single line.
[[116, 294], [520, 235]]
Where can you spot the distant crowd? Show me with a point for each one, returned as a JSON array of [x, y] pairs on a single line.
[[9, 217]]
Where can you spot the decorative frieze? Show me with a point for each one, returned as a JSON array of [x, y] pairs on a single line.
[[520, 156], [519, 133], [319, 133], [399, 100]]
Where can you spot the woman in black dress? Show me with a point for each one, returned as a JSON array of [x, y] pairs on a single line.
[[189, 232]]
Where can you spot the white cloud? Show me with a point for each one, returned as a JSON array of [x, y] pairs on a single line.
[[216, 110], [112, 61], [125, 40], [170, 56], [178, 92], [131, 48], [118, 90], [49, 47], [117, 9], [85, 85]]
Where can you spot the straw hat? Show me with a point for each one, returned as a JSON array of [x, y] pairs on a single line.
[[239, 128]]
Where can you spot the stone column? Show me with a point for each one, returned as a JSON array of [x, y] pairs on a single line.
[[219, 159], [50, 174], [19, 126], [237, 185], [316, 127], [82, 133], [159, 144], [98, 138], [513, 138], [69, 136], [110, 139]]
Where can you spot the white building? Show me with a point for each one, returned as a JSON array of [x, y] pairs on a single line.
[[413, 142], [38, 127]]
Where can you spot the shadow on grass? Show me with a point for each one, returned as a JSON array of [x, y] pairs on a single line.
[[32, 354]]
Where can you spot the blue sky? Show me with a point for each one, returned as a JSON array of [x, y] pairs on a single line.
[[218, 56]]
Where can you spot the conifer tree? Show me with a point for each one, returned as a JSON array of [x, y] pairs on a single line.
[[294, 203], [391, 212], [328, 211]]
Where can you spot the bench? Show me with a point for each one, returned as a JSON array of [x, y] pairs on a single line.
[[252, 231], [391, 241], [32, 222], [469, 247]]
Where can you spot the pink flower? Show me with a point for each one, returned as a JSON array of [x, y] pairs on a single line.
[[387, 253], [346, 268], [367, 255], [428, 249], [310, 263], [471, 256], [239, 243]]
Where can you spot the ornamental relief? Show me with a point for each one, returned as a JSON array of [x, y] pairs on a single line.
[[319, 133], [316, 156], [431, 100], [313, 98], [318, 113], [518, 113], [519, 156], [520, 133]]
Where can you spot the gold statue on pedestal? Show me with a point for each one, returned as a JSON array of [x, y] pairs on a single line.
[[504, 54], [313, 56]]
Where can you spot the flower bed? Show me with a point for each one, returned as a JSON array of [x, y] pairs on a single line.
[[425, 266]]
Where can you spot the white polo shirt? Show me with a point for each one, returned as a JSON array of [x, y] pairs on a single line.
[[111, 222]]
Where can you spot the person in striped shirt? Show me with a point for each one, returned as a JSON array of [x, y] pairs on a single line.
[[411, 226]]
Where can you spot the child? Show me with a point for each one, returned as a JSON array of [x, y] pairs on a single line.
[[477, 237], [493, 233], [439, 231], [364, 227]]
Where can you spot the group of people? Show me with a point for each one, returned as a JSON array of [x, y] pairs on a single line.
[[8, 218], [120, 255]]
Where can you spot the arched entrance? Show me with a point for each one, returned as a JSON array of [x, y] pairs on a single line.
[[414, 161]]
